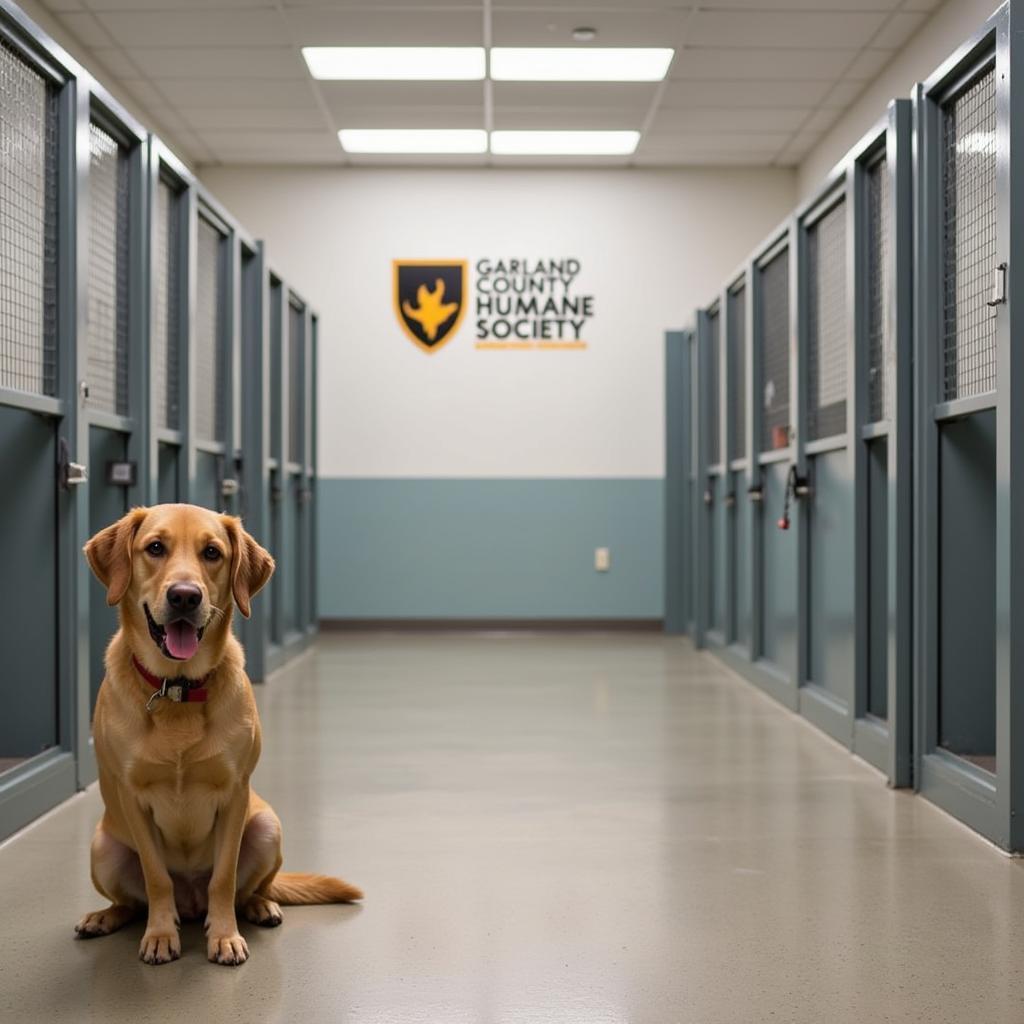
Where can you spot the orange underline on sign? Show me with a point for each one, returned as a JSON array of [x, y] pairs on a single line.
[[533, 345]]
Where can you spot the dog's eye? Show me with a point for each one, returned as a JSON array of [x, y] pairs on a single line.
[[156, 548], [210, 553]]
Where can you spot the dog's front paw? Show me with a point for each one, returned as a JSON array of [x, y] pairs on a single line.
[[229, 950], [160, 946]]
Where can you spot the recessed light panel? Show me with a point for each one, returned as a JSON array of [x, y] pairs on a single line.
[[564, 143], [577, 64], [396, 63], [413, 140]]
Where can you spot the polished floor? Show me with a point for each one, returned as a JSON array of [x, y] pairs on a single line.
[[552, 829]]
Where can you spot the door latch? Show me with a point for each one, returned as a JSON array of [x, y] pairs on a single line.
[[228, 487], [69, 474], [998, 286], [755, 493]]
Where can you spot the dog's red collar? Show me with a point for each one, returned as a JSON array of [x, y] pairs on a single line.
[[179, 689]]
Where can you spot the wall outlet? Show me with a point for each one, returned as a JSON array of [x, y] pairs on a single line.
[[602, 559]]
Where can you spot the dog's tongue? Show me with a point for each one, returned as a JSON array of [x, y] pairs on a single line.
[[182, 639]]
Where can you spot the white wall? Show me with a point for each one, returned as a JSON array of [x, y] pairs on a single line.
[[653, 244], [944, 31]]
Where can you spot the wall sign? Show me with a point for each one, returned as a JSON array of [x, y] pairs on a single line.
[[518, 303]]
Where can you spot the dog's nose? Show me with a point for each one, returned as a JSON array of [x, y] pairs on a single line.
[[184, 597]]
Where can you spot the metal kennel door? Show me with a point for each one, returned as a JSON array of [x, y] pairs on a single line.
[[168, 327], [775, 622], [113, 382], [41, 449], [715, 582], [738, 508], [211, 355], [967, 436], [826, 474]]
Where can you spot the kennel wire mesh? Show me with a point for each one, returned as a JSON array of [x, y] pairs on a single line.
[[738, 370], [28, 227], [969, 238], [774, 281], [827, 324], [878, 244], [296, 381], [107, 339], [165, 332], [713, 381], [210, 343]]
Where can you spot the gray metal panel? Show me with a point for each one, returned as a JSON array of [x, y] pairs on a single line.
[[677, 451], [778, 598], [877, 696], [107, 503], [28, 600], [967, 587], [742, 513], [831, 575]]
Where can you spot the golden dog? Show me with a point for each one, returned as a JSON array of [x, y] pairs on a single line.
[[177, 737]]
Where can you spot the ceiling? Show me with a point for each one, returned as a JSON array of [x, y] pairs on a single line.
[[754, 82]]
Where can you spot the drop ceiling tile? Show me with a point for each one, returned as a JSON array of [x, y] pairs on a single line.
[[786, 29], [116, 61], [59, 6], [268, 62], [561, 161], [842, 94], [377, 5], [402, 117], [900, 28], [551, 117], [200, 28], [867, 64], [145, 93], [798, 148], [710, 159], [831, 6], [253, 92], [764, 143], [86, 28], [257, 140], [821, 120], [176, 5], [386, 28], [713, 63], [737, 120], [767, 93], [921, 5], [256, 118], [400, 96], [619, 95], [614, 28]]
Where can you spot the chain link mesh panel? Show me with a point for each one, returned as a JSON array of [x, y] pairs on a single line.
[[881, 354], [738, 370], [827, 324], [714, 387], [296, 382], [774, 281], [210, 343], [28, 227], [107, 342], [969, 239], [165, 331]]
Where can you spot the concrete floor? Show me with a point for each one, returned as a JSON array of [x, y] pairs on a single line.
[[588, 829]]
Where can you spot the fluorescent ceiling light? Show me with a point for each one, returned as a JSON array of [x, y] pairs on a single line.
[[576, 64], [413, 140], [568, 143], [396, 63]]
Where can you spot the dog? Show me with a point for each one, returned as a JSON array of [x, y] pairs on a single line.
[[177, 736]]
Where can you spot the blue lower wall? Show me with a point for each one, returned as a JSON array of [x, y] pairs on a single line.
[[490, 549]]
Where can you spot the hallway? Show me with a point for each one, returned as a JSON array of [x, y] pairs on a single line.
[[552, 828]]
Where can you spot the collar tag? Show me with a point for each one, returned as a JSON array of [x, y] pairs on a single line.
[[157, 694]]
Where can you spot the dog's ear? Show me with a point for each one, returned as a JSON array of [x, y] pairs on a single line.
[[251, 565], [110, 554]]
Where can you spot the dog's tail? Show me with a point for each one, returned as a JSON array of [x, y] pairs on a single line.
[[293, 888]]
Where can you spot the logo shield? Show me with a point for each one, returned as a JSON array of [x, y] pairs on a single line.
[[430, 299]]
